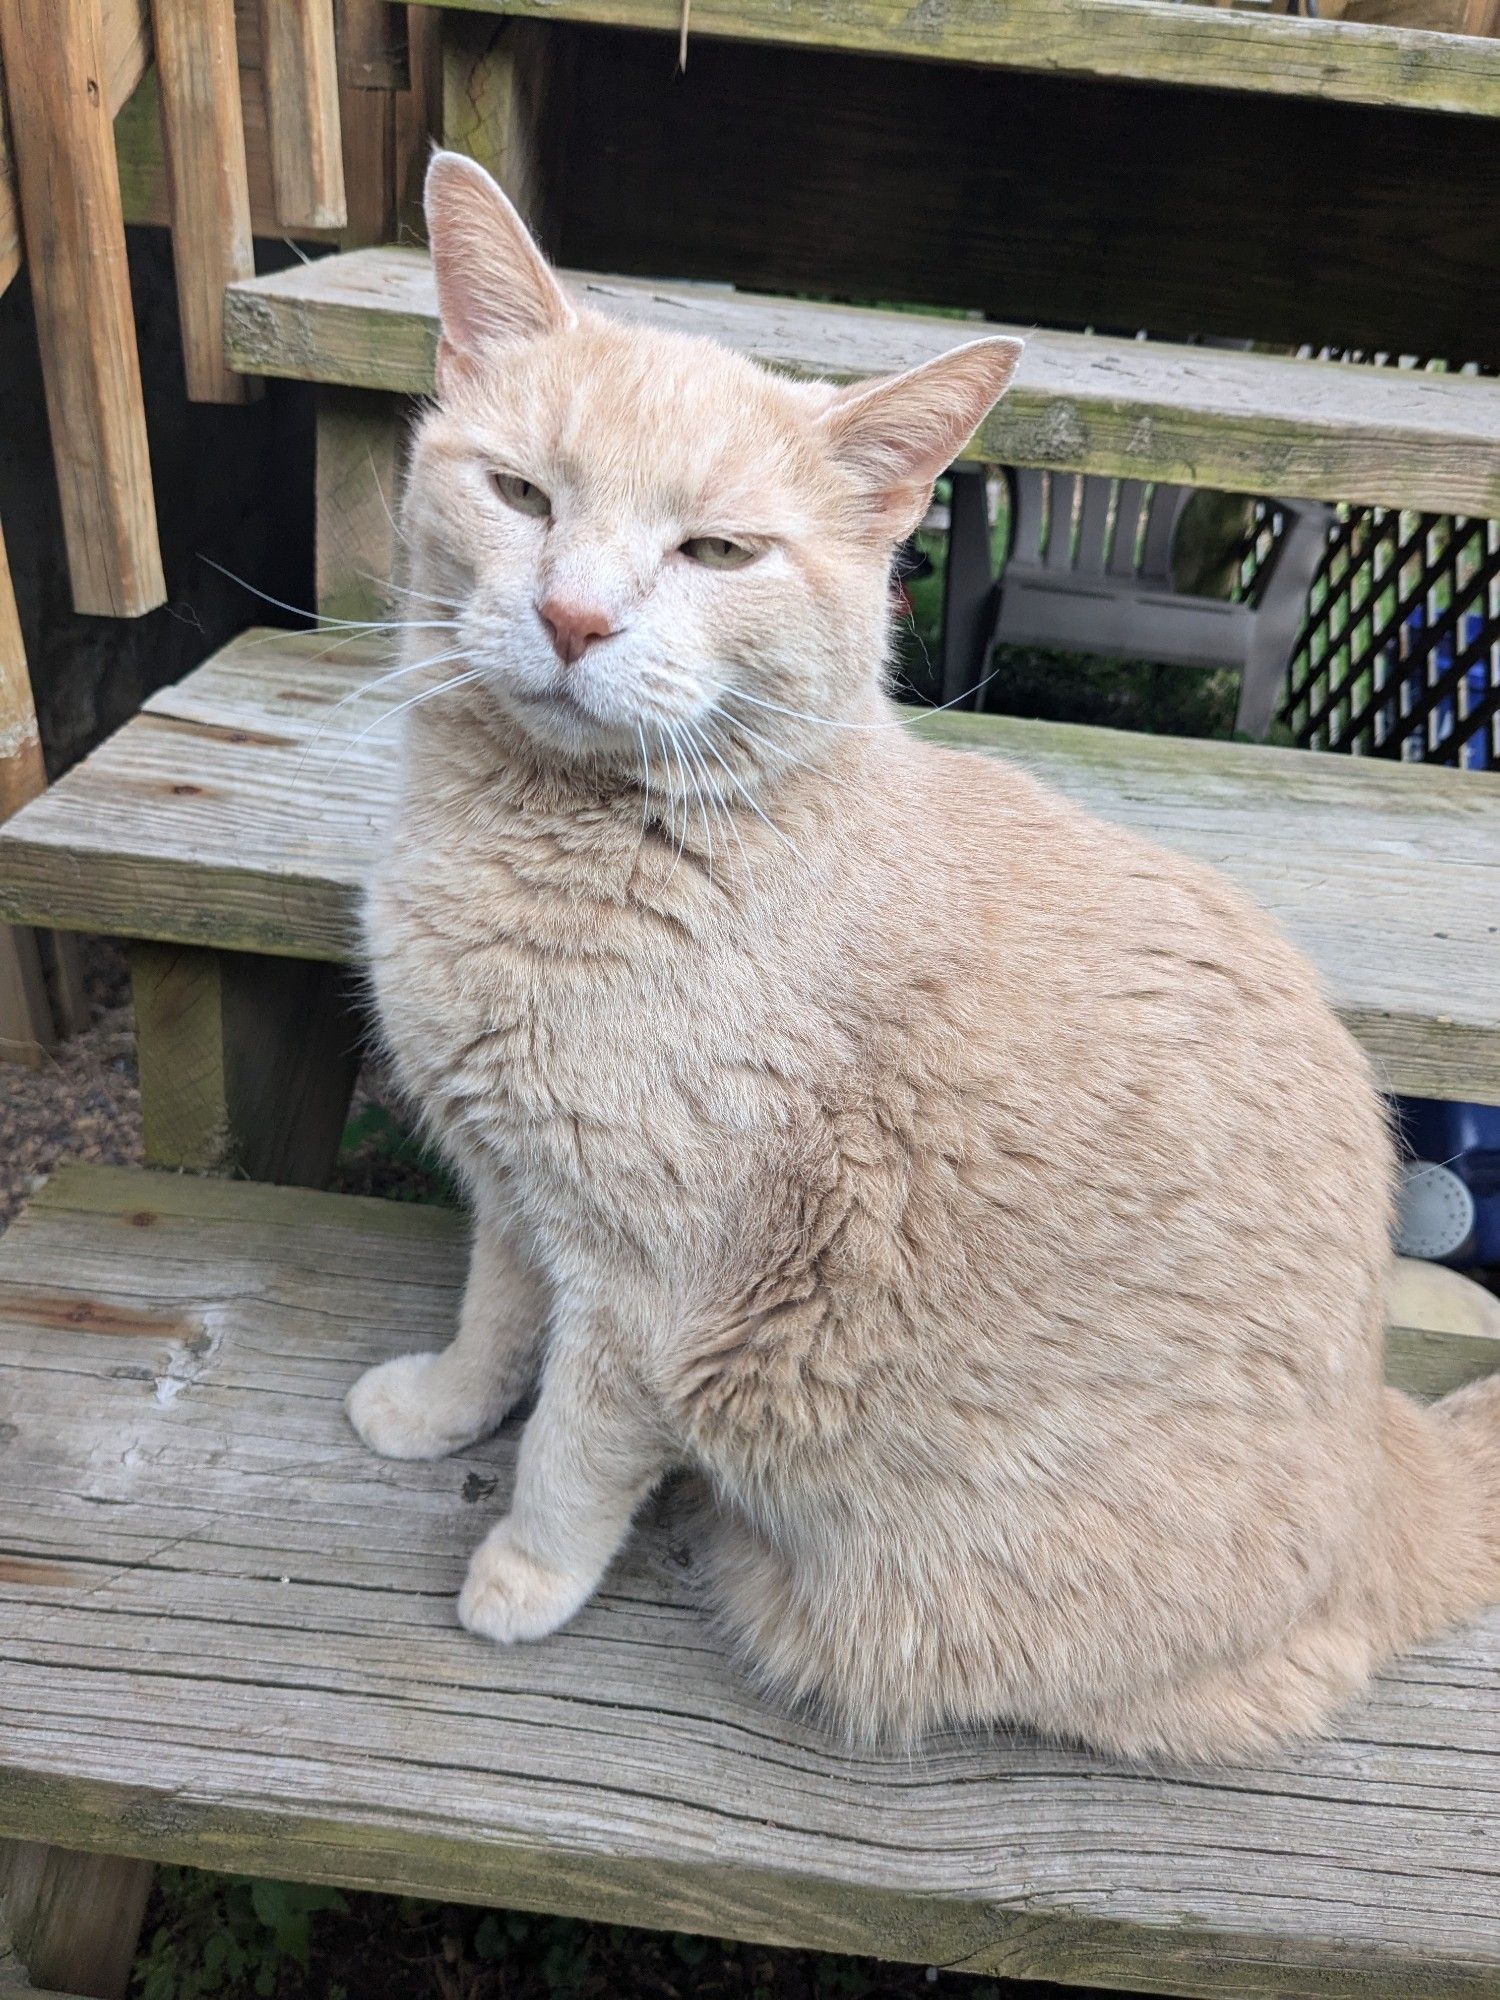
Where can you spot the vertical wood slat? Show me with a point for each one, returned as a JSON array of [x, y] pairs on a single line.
[[64, 157], [29, 1023], [360, 453], [26, 1031], [299, 56], [75, 1918], [127, 51], [373, 48], [506, 87], [203, 131]]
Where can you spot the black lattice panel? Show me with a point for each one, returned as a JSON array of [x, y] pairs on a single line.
[[1400, 654]]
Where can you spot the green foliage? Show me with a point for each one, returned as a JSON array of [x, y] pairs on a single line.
[[235, 1936]]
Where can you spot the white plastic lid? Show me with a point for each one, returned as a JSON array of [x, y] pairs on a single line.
[[1434, 1212]]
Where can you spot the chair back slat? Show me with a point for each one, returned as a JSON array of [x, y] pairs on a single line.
[[1161, 525], [1130, 509], [1028, 501], [1096, 517]]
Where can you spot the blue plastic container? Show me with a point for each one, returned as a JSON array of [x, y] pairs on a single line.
[[1450, 1198]]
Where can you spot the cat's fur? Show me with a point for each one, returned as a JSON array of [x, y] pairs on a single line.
[[984, 1201]]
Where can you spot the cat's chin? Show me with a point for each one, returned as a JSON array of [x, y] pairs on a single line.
[[557, 722]]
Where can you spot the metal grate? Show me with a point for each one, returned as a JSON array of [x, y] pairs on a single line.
[[1400, 652]]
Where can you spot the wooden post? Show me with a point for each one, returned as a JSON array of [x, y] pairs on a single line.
[[63, 143], [203, 131], [74, 1919], [361, 444], [10, 214], [372, 38], [246, 1062], [28, 1023], [505, 102], [299, 57]]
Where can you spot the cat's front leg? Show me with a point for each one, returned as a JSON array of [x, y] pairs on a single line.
[[591, 1451], [427, 1405]]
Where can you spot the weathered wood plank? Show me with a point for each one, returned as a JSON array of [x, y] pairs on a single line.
[[27, 1022], [127, 50], [361, 447], [372, 44], [505, 103], [1247, 423], [203, 130], [1153, 41], [181, 1486], [75, 243], [247, 1063], [300, 62], [241, 808], [74, 1918]]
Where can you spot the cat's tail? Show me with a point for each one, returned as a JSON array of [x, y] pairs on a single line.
[[1442, 1511]]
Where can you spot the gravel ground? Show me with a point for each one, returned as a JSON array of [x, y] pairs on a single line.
[[84, 1104]]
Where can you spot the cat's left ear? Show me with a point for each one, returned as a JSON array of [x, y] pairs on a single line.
[[897, 434], [494, 286]]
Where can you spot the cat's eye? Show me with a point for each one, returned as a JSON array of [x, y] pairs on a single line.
[[521, 494], [718, 552]]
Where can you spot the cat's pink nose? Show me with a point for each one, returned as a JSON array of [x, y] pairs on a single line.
[[573, 628]]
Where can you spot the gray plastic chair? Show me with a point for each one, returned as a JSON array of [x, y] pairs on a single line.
[[1090, 571]]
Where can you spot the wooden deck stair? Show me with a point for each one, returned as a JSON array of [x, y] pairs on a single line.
[[227, 1638], [1192, 416], [239, 811]]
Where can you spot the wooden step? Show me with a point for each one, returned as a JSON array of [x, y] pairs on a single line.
[[1193, 416], [227, 1637], [1151, 41], [240, 809]]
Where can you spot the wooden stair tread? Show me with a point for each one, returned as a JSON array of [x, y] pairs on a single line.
[[1149, 41], [1194, 416], [228, 1638], [241, 807]]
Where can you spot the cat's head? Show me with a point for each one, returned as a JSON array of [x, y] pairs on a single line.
[[643, 533]]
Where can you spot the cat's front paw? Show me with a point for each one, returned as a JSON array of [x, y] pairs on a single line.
[[508, 1595], [400, 1411]]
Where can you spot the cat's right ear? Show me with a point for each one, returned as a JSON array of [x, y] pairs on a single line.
[[494, 286]]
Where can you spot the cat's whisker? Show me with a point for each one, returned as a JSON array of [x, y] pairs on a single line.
[[740, 727], [385, 504], [369, 687], [427, 694], [406, 590], [840, 722], [755, 807], [706, 745], [640, 737], [323, 623], [698, 771], [682, 773]]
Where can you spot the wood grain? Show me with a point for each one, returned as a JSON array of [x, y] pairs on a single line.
[[1149, 40], [361, 449], [74, 1918], [247, 1063], [203, 130], [181, 1487], [1251, 423], [242, 807], [506, 104], [299, 58], [819, 175], [75, 244], [30, 1020], [372, 44]]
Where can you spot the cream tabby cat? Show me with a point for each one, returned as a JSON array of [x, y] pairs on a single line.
[[984, 1202]]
